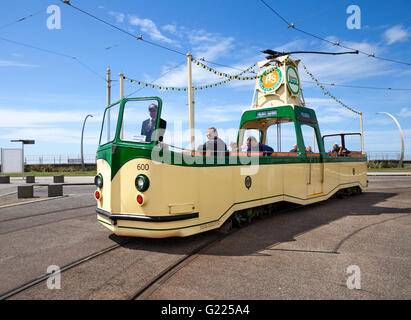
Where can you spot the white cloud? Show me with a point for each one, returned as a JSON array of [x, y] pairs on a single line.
[[41, 118], [52, 134], [149, 27], [396, 34], [404, 113], [169, 28], [8, 63], [118, 15]]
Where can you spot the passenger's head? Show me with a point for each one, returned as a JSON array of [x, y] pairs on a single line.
[[233, 146], [252, 141], [335, 146], [211, 133], [295, 147], [308, 149]]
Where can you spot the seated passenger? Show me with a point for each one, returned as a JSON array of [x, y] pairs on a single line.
[[214, 143], [234, 147], [308, 149], [294, 149], [339, 151], [253, 145], [335, 148]]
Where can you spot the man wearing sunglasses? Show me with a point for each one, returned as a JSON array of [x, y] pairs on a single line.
[[148, 127]]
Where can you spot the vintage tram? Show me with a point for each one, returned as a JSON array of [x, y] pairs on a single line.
[[145, 188]]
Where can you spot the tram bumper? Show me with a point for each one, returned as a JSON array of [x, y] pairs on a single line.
[[149, 226]]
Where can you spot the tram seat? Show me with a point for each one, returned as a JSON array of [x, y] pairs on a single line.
[[355, 154], [245, 154], [196, 153], [284, 154], [313, 154]]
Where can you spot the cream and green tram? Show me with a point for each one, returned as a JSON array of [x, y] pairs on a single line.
[[147, 188]]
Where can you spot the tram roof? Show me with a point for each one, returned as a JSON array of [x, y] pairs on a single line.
[[293, 112]]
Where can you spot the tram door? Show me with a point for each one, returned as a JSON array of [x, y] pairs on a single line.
[[315, 165]]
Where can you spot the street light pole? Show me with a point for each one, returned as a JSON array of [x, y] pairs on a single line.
[[402, 137], [82, 134]]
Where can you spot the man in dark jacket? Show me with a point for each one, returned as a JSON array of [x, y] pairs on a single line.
[[149, 125], [253, 145], [214, 144]]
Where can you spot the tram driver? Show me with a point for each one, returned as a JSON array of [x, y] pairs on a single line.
[[148, 126]]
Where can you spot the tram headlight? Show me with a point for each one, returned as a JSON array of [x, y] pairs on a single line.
[[98, 180], [142, 182]]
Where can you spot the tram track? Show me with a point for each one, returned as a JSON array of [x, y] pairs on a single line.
[[27, 285], [46, 213], [155, 282]]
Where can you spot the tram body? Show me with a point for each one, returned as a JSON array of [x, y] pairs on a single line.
[[189, 193]]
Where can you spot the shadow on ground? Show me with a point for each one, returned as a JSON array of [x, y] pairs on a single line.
[[275, 228]]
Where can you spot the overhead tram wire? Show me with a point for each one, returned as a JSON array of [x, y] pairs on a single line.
[[359, 87], [162, 75], [57, 54], [21, 19], [140, 37], [337, 43]]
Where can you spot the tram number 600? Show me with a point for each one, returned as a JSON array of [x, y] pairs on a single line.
[[143, 166]]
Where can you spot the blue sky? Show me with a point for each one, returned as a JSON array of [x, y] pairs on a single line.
[[46, 96]]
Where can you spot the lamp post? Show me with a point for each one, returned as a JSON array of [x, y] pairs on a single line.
[[82, 134], [23, 142], [402, 137]]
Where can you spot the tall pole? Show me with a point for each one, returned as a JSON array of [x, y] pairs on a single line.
[[362, 135], [402, 137], [190, 102], [82, 134], [121, 85], [108, 102]]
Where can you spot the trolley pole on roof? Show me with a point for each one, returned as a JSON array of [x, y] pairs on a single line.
[[400, 164], [190, 102]]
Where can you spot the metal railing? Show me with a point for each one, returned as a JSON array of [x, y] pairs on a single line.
[[386, 155], [91, 158], [59, 159]]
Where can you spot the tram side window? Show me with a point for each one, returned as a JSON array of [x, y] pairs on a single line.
[[310, 139], [109, 126], [352, 142], [281, 137], [140, 121]]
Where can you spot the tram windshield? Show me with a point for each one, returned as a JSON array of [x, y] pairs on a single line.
[[108, 131], [140, 121]]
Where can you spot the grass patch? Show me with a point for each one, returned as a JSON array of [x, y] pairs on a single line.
[[388, 169]]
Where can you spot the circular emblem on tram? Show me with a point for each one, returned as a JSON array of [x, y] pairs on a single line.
[[248, 182], [293, 81], [271, 79]]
